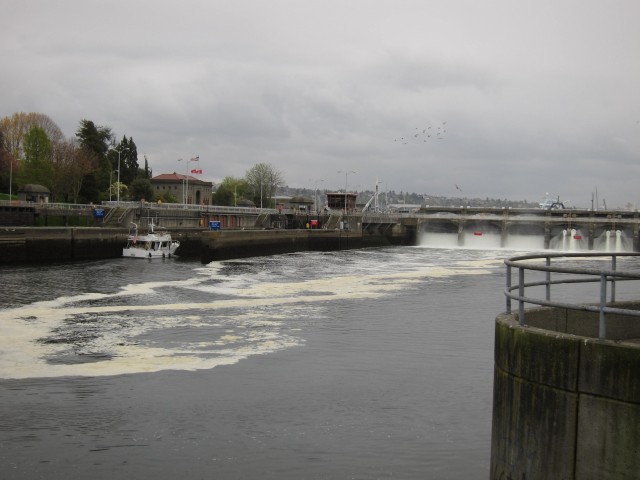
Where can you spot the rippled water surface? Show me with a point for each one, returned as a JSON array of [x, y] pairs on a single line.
[[357, 364]]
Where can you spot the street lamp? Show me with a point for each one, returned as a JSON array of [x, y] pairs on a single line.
[[315, 199], [10, 176], [119, 152], [111, 182], [346, 176], [186, 177]]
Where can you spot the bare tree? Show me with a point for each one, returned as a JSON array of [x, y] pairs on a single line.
[[73, 163], [264, 180], [17, 126]]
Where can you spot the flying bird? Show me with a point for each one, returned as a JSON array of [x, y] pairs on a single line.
[[458, 187]]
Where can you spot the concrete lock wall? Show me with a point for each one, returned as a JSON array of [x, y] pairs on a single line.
[[565, 405]]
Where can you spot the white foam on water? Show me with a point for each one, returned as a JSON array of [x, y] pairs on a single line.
[[119, 338]]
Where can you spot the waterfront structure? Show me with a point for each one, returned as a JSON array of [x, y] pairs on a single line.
[[566, 401], [344, 201], [34, 193], [183, 187], [297, 204]]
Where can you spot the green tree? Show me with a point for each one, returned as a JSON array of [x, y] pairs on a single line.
[[128, 160], [8, 169], [37, 166], [15, 128], [167, 197], [13, 132], [263, 180], [146, 172], [141, 188], [96, 139], [230, 191]]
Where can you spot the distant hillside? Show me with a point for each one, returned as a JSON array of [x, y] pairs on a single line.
[[392, 197]]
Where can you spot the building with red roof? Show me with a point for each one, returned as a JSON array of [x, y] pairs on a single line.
[[185, 188]]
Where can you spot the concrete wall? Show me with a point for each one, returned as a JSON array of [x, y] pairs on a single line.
[[51, 244], [226, 244], [45, 244], [565, 406]]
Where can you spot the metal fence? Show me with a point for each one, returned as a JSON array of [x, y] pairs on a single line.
[[146, 205], [555, 275]]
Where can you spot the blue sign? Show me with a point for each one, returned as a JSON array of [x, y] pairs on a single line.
[[214, 225], [98, 213]]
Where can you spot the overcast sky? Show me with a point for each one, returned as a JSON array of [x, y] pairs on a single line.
[[522, 97]]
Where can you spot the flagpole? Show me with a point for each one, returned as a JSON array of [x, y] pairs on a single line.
[[186, 183]]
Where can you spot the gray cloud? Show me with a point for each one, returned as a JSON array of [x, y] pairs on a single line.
[[538, 96]]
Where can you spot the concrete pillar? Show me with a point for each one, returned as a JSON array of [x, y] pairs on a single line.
[[547, 235], [504, 234]]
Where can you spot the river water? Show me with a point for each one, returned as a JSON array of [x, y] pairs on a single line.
[[361, 364]]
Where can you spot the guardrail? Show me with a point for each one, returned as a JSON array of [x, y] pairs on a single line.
[[52, 206], [146, 205], [605, 277]]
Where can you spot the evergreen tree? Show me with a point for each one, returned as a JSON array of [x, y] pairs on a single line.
[[96, 139], [142, 188], [147, 171], [129, 161]]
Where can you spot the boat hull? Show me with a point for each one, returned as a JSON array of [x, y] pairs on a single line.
[[140, 252]]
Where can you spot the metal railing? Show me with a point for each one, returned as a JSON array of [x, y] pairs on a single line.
[[50, 206], [606, 276], [146, 205]]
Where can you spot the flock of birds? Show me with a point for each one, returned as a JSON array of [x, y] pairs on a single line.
[[425, 134]]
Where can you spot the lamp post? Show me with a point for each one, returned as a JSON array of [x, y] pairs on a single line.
[[10, 176], [186, 177], [111, 182], [315, 198], [346, 176], [119, 152]]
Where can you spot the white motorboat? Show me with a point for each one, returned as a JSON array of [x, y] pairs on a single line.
[[155, 243]]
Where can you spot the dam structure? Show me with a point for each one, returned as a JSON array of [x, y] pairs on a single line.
[[537, 229], [35, 232], [566, 398]]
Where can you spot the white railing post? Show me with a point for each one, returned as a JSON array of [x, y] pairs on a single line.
[[521, 296], [602, 330], [508, 288]]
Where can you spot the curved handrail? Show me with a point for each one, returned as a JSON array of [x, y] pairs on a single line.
[[605, 276]]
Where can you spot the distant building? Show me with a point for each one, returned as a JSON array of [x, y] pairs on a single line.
[[34, 193], [296, 204], [342, 201], [185, 188]]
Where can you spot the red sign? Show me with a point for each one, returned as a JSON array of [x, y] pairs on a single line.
[[197, 171]]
